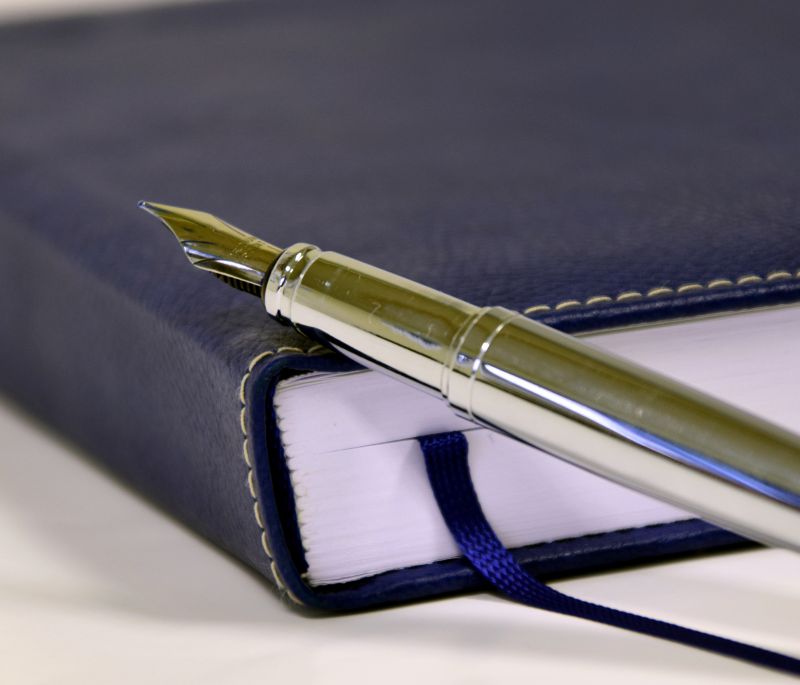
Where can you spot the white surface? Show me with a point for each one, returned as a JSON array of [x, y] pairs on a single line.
[[98, 587], [362, 494]]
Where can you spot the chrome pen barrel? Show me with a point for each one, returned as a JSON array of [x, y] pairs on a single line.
[[630, 424], [382, 320], [552, 391]]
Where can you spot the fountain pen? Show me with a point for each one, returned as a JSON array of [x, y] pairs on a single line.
[[517, 376]]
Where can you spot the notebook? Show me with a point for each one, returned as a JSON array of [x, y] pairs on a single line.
[[596, 166]]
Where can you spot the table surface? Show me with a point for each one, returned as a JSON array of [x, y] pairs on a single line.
[[97, 586]]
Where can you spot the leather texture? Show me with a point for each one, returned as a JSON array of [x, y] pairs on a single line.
[[596, 164]]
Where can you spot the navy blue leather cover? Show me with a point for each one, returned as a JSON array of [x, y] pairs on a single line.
[[592, 163]]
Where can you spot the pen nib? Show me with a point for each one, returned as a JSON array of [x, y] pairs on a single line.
[[237, 258]]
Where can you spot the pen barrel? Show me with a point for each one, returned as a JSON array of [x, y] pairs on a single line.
[[629, 424], [550, 390], [382, 320]]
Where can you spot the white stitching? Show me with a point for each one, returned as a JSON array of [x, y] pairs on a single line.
[[250, 479], [660, 291]]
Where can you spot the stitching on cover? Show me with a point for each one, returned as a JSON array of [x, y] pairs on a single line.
[[258, 514], [628, 295]]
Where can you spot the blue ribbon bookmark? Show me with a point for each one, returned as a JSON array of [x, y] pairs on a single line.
[[448, 472]]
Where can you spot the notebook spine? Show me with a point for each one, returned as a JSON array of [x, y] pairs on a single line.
[[139, 394]]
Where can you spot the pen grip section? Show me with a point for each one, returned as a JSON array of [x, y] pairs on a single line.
[[373, 316]]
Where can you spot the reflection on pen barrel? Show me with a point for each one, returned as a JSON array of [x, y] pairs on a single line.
[[550, 390]]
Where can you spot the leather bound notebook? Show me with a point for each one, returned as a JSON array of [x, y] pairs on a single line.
[[599, 166]]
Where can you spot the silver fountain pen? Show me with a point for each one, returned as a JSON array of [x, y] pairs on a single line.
[[511, 374]]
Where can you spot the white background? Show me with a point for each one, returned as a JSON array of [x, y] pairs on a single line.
[[96, 586]]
